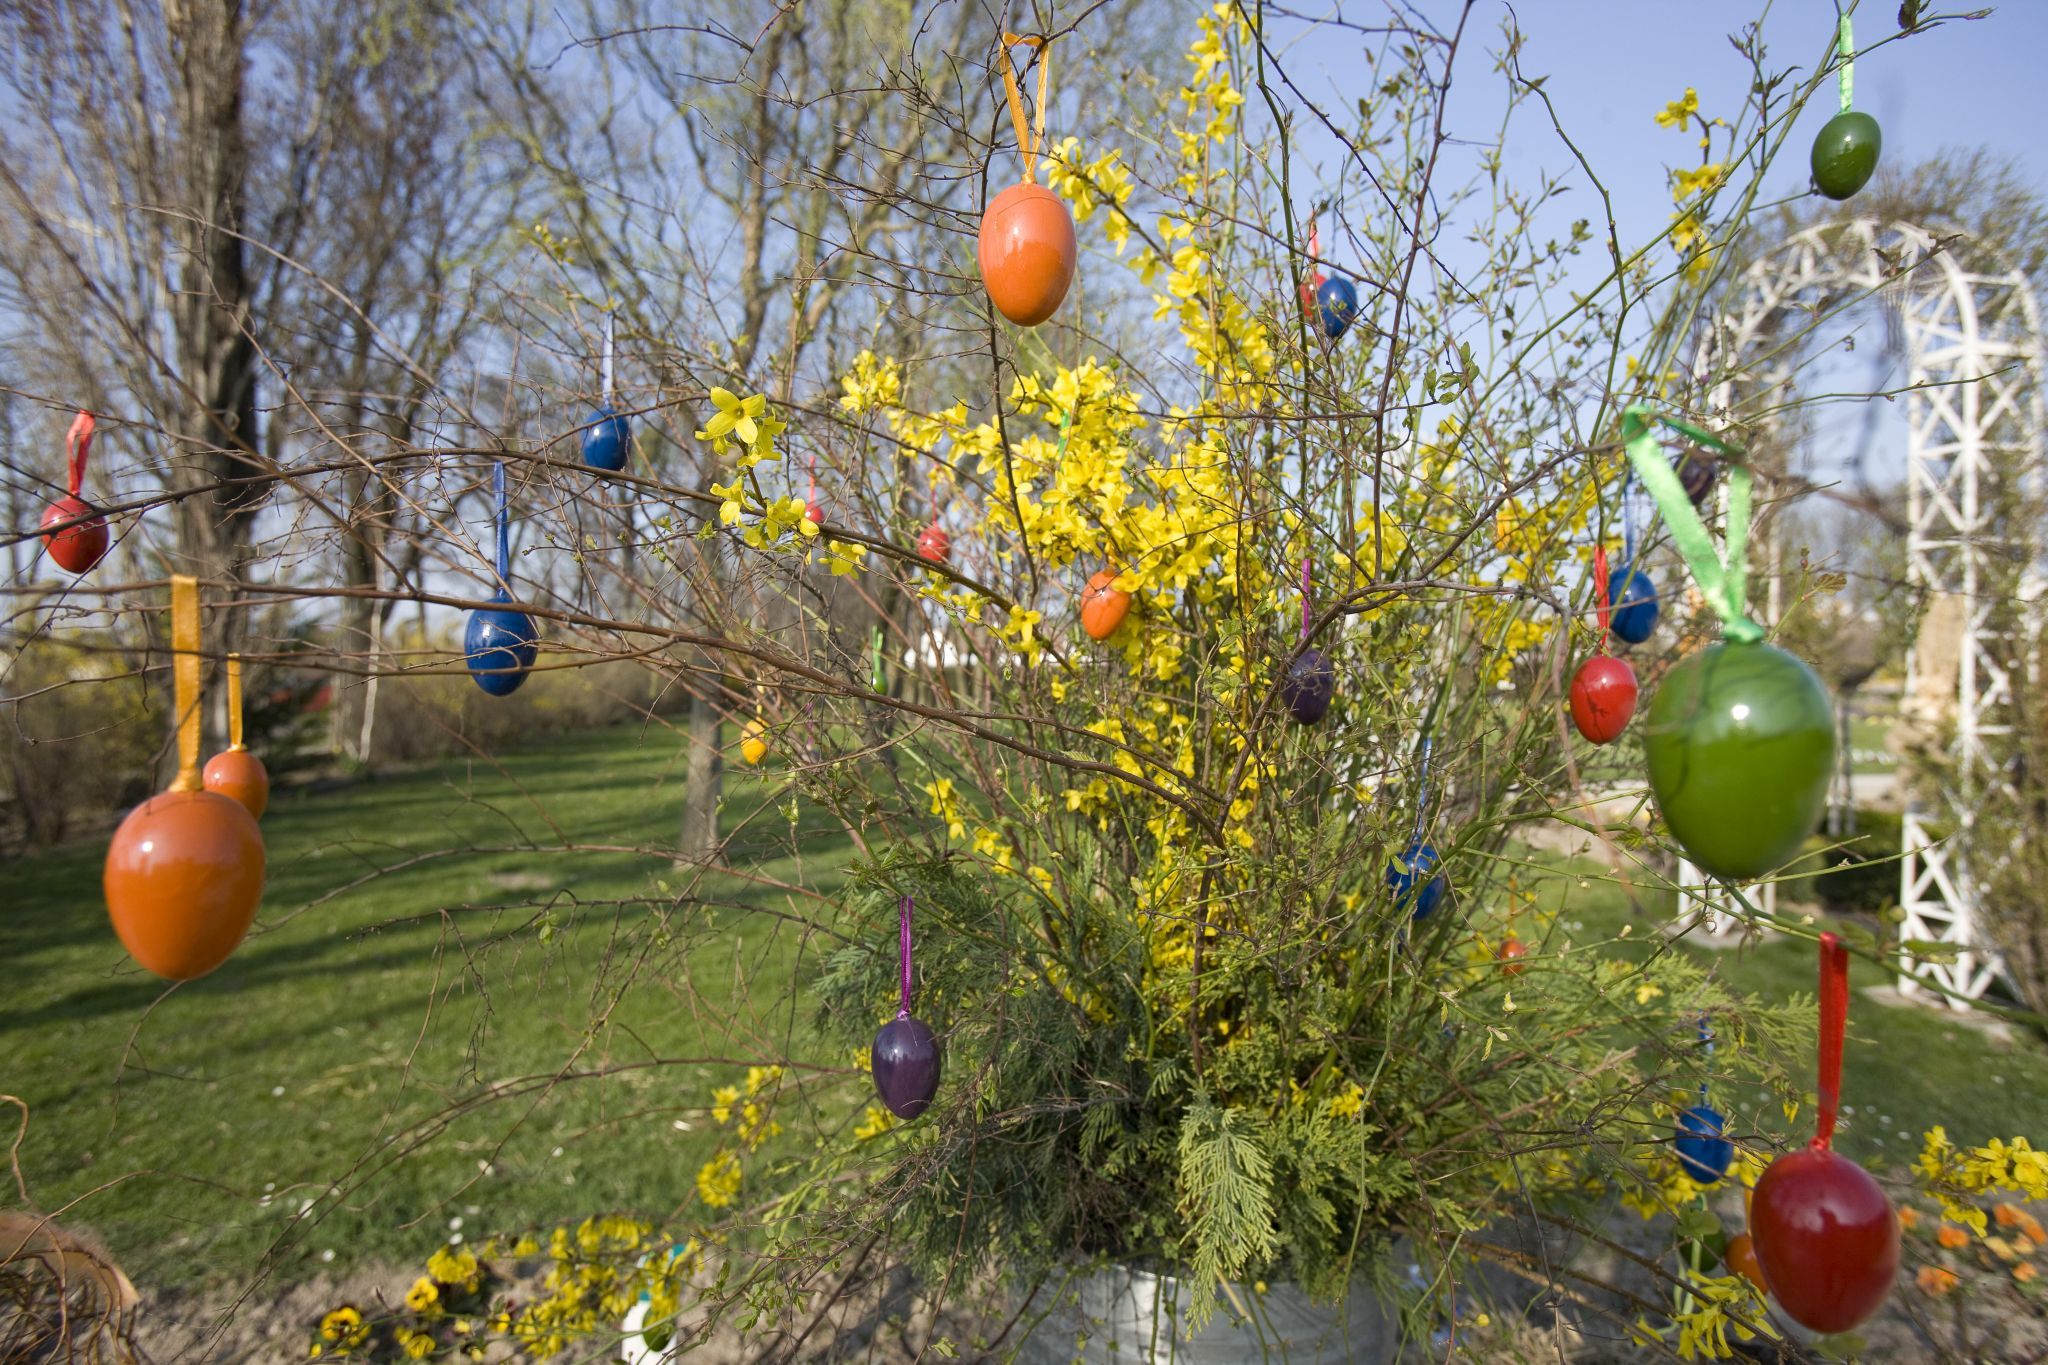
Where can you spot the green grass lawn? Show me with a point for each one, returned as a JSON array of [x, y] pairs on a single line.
[[191, 1128], [387, 986], [1906, 1067]]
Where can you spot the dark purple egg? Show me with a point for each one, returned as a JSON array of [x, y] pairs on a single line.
[[906, 1061], [1697, 471], [1310, 683]]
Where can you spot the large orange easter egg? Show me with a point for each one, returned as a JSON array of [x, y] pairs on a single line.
[[240, 775], [1027, 252], [183, 878]]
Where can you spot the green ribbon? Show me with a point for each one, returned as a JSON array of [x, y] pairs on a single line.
[[1845, 44], [1722, 581], [875, 676]]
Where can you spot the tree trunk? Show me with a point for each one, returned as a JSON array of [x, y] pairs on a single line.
[[698, 840], [215, 427]]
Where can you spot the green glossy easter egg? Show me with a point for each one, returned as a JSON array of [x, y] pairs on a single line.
[[1741, 743], [1845, 154]]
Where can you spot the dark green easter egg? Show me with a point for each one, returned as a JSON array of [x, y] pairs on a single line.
[[1741, 743], [1845, 154]]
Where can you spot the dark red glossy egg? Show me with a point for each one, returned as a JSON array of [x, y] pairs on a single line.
[[1825, 1237], [1603, 698], [934, 544], [79, 547]]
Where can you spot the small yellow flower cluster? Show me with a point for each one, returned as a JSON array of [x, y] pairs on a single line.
[[718, 1180], [1952, 1175], [745, 421], [1716, 1306], [873, 384], [1088, 185], [946, 805], [875, 1122]]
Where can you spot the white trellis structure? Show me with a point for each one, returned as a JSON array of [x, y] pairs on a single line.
[[1970, 333]]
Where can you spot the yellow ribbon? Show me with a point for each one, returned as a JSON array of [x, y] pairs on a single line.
[[1029, 139], [235, 703], [185, 679]]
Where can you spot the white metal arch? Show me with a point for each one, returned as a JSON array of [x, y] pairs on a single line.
[[1970, 332]]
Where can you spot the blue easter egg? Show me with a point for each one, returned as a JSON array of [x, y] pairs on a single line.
[[607, 440], [1414, 877], [499, 646], [1703, 1148], [1634, 599], [1336, 306]]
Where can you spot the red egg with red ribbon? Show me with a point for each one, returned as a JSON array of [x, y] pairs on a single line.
[[82, 541], [1824, 1231], [934, 545]]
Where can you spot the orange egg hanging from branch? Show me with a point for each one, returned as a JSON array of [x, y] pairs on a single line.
[[1026, 247], [1103, 606], [184, 872]]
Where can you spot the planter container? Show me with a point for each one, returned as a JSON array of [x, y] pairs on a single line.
[[1120, 1316]]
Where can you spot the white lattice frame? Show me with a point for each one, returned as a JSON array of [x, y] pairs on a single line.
[[1972, 340]]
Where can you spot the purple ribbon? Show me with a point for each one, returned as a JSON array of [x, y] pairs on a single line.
[[1305, 614], [903, 912]]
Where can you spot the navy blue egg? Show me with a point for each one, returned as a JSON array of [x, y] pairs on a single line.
[[1310, 683], [906, 1065], [1336, 306], [1634, 599], [1704, 1150], [499, 646], [607, 440], [1415, 881]]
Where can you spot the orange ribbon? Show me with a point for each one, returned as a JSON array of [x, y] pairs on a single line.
[[185, 679], [1030, 139], [235, 703]]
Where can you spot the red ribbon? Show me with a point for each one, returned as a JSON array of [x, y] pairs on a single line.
[[77, 445], [1602, 607], [1834, 1022]]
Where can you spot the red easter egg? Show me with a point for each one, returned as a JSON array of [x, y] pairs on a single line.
[[815, 510], [239, 775], [1825, 1237], [1102, 607], [1603, 697], [75, 548], [1511, 953], [183, 877], [1027, 252], [934, 544]]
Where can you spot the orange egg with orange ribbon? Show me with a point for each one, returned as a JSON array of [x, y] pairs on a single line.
[[241, 777], [184, 872]]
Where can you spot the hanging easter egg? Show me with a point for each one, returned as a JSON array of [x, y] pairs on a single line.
[[1845, 154], [183, 877], [1741, 743], [607, 440], [1103, 607], [815, 510], [934, 545], [1702, 1144], [1633, 598], [1416, 882], [906, 1066], [1510, 955], [1826, 1238], [754, 742], [76, 548], [1740, 1256], [1027, 251], [1603, 697], [241, 777], [1310, 683], [499, 645], [1336, 306], [1697, 474]]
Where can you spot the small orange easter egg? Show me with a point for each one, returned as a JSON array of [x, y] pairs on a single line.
[[1102, 607], [240, 775]]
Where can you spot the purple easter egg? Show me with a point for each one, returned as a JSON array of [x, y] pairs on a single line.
[[1306, 690], [906, 1062]]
